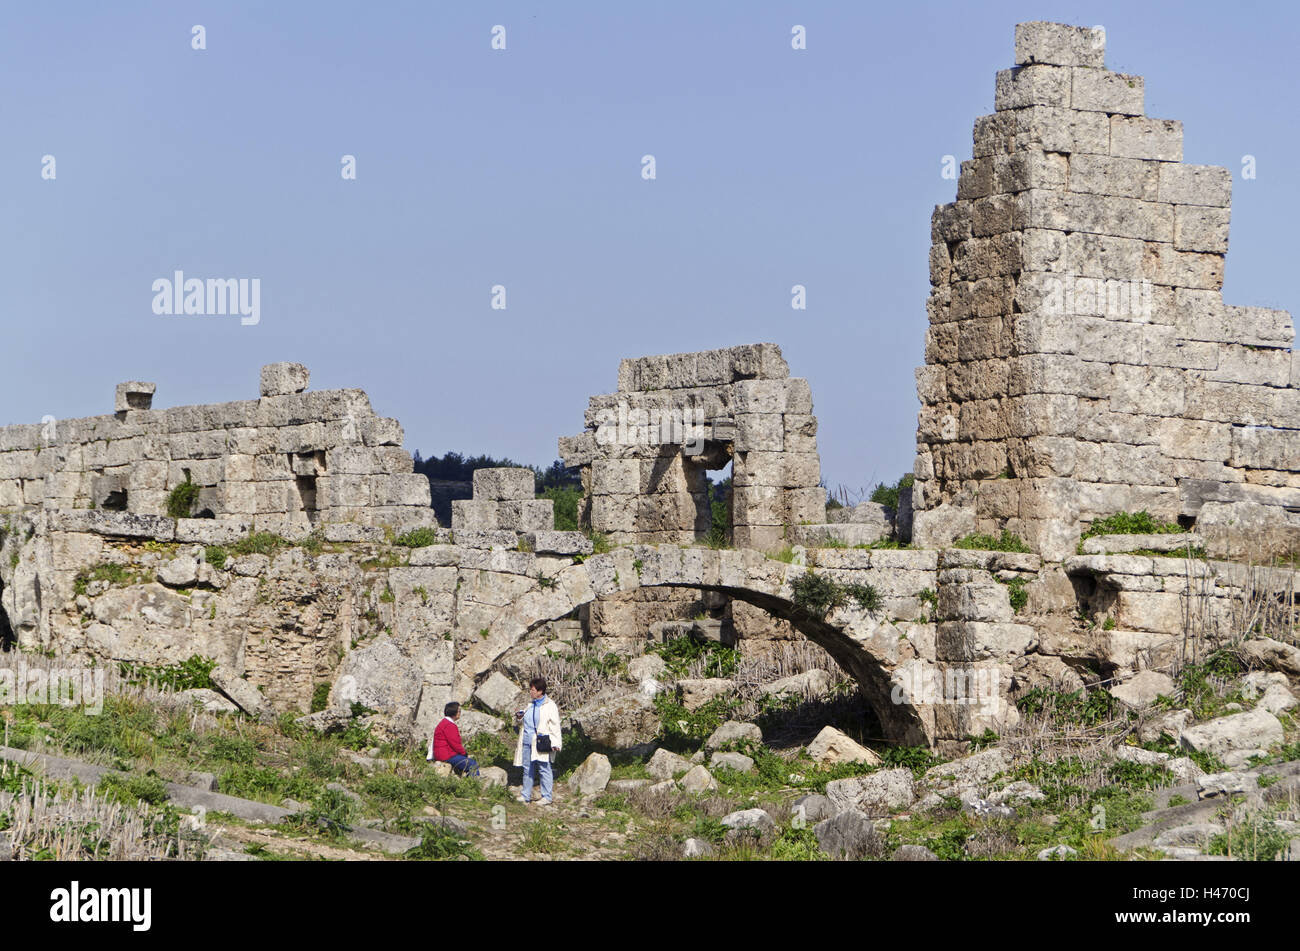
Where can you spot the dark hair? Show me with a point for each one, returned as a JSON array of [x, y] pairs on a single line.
[[451, 709], [539, 683]]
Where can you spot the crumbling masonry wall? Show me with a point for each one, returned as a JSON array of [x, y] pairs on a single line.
[[284, 462], [1080, 359], [644, 458], [647, 447]]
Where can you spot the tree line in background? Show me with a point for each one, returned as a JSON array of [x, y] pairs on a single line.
[[451, 477]]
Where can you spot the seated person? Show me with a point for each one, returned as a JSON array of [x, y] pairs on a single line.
[[446, 747]]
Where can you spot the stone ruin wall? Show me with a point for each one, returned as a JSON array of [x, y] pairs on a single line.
[[1058, 387], [284, 462], [644, 457]]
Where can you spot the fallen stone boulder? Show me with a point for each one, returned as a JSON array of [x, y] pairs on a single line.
[[247, 697], [667, 765], [1271, 655], [499, 694], [698, 780], [849, 835], [733, 731], [970, 771], [831, 747], [737, 761], [1143, 688], [618, 723], [696, 693], [1253, 729], [592, 776], [876, 794]]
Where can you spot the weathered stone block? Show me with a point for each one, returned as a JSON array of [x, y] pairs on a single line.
[[1099, 90], [1059, 44], [1033, 85], [1137, 137], [504, 484], [283, 379]]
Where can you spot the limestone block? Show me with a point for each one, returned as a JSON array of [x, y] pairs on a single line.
[[1020, 172], [273, 497], [1253, 729], [562, 543], [977, 640], [760, 396], [757, 360], [842, 533], [474, 515], [1032, 85], [1198, 228], [1195, 184], [1056, 130], [534, 515], [1121, 177], [212, 531], [282, 379], [1099, 90], [800, 433], [1099, 214], [1142, 689], [485, 539], [1059, 44], [504, 484], [760, 431], [1265, 448], [616, 477], [614, 513], [499, 694], [798, 397], [1137, 137], [410, 489], [133, 395]]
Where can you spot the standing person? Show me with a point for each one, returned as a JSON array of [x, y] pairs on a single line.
[[539, 740], [446, 747]]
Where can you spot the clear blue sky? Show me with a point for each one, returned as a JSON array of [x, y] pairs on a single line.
[[522, 168]]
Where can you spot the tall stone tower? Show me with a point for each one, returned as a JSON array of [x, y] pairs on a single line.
[[1080, 360]]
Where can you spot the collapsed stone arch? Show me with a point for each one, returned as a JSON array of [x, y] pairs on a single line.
[[864, 646]]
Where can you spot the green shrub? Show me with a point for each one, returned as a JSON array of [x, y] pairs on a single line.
[[215, 555], [866, 596], [180, 501], [259, 543], [438, 844], [417, 538], [1017, 594], [1004, 542], [1257, 839], [194, 673], [887, 495], [1132, 523], [816, 595], [680, 652], [320, 697]]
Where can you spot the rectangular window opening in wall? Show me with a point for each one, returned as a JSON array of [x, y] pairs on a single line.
[[306, 486]]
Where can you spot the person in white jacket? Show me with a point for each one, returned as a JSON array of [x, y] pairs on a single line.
[[541, 718]]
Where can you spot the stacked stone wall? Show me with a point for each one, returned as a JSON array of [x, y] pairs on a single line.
[[1080, 360]]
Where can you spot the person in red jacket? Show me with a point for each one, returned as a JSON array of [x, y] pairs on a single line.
[[446, 747]]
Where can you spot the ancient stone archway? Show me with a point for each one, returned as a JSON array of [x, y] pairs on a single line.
[[869, 648]]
